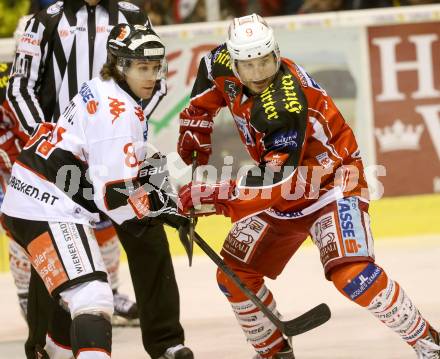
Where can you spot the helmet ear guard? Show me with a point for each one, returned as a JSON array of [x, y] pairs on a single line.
[[250, 37]]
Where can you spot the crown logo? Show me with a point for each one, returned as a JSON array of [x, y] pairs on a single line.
[[399, 137]]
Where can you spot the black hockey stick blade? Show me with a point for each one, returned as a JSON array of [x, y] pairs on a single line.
[[307, 321]]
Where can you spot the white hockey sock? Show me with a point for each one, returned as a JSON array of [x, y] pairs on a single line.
[[20, 268], [258, 329], [111, 253], [396, 310]]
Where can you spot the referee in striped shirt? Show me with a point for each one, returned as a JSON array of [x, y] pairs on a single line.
[[61, 48]]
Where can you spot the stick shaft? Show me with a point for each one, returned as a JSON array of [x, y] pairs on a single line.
[[237, 281], [192, 212]]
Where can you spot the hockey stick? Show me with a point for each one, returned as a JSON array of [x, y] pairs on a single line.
[[192, 215], [305, 322]]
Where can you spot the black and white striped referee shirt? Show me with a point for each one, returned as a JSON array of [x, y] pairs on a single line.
[[62, 47]]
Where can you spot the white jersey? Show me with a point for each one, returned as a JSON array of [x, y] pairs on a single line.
[[87, 162]]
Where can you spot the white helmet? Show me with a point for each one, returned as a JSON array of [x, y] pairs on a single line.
[[250, 37]]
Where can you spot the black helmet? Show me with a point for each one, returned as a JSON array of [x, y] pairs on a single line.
[[135, 42]]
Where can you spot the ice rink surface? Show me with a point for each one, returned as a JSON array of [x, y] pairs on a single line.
[[213, 333]]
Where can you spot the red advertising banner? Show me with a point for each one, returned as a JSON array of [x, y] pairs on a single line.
[[405, 77]]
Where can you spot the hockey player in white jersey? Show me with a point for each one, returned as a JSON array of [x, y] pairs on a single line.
[[93, 159]]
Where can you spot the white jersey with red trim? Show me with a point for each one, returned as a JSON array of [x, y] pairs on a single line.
[[88, 161]]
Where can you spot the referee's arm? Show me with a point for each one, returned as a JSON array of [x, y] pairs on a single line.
[[27, 67]]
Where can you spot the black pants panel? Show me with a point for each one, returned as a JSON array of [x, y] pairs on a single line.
[[155, 287]]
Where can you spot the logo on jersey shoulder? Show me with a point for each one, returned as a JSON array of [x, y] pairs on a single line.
[[89, 99], [116, 108], [307, 80], [301, 75], [232, 89], [125, 5], [55, 8]]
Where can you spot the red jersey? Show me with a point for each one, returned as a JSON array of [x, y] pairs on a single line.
[[305, 153]]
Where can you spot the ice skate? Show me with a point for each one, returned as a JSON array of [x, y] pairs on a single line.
[[178, 352], [285, 353], [428, 347], [126, 312]]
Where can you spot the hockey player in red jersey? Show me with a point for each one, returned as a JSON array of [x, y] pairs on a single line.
[[308, 179]]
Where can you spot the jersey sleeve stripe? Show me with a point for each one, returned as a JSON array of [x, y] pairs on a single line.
[[21, 88]]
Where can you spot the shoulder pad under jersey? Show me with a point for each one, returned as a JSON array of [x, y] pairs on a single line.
[[283, 101], [218, 62], [55, 8], [127, 6]]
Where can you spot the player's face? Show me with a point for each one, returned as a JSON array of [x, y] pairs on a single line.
[[141, 77], [92, 2], [257, 74]]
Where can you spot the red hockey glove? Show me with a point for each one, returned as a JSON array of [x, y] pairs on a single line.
[[10, 148], [196, 195], [195, 135], [9, 121], [10, 143]]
